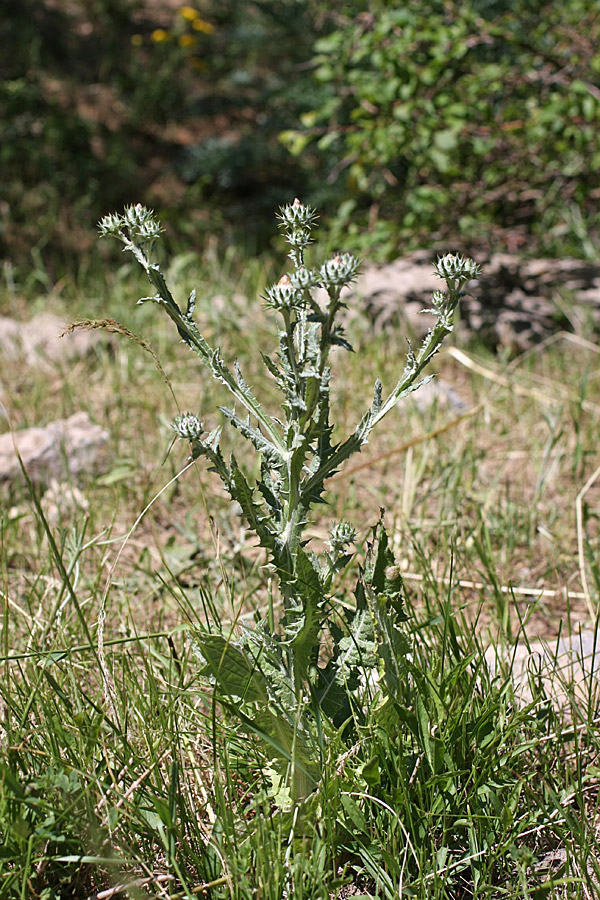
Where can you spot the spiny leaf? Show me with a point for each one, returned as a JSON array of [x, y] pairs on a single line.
[[191, 305], [292, 749], [356, 650], [255, 515], [273, 369], [381, 571], [339, 339], [376, 405], [209, 447], [243, 384], [312, 389], [304, 621], [270, 453], [269, 491], [384, 592]]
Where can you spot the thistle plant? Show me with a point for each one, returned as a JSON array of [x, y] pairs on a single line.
[[274, 676]]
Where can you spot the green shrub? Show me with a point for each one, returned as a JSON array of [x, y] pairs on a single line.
[[442, 117]]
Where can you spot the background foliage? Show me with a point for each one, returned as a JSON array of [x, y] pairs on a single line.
[[425, 122], [121, 100], [442, 117]]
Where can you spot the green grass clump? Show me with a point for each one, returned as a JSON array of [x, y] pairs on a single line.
[[447, 786]]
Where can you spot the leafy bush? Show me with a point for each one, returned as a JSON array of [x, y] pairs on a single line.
[[441, 118]]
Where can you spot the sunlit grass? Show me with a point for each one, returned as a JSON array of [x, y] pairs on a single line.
[[477, 796]]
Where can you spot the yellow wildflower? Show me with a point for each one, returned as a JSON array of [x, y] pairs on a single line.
[[200, 25], [137, 40], [187, 40], [188, 12], [159, 35]]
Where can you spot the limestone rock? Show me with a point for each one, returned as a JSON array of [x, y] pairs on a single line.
[[515, 303], [560, 666], [437, 391], [61, 449]]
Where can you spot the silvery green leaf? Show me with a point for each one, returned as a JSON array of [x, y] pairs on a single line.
[[295, 752], [264, 447], [255, 515], [273, 369], [209, 447], [270, 498], [235, 673], [303, 621], [154, 299], [376, 405], [384, 591], [357, 650], [191, 305], [339, 339]]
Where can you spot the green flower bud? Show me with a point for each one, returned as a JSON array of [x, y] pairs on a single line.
[[110, 224], [304, 278], [295, 214], [283, 295], [188, 426], [138, 220], [341, 534], [340, 270], [450, 266]]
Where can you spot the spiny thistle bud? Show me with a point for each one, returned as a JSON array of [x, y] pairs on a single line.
[[304, 278], [341, 534], [141, 222], [110, 224], [295, 214], [393, 573], [340, 270], [138, 220], [188, 426], [299, 236], [283, 295], [450, 266]]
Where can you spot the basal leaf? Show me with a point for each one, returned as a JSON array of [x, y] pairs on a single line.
[[234, 671], [292, 749]]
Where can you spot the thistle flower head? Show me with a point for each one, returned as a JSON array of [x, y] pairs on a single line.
[[188, 426], [341, 534], [137, 221], [340, 270], [295, 214], [141, 222], [283, 295], [110, 224], [450, 266], [304, 278]]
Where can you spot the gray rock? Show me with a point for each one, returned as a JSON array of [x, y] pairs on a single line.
[[61, 449], [398, 291], [437, 391], [513, 304], [560, 666]]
